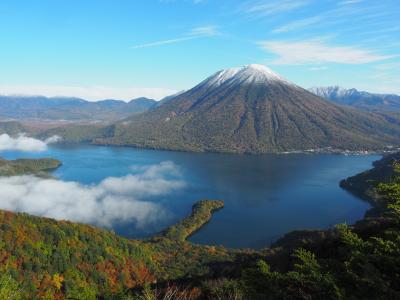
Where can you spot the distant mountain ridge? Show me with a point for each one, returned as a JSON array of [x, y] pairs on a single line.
[[70, 108], [359, 99], [251, 109]]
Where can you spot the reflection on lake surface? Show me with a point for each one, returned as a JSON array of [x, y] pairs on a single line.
[[265, 196]]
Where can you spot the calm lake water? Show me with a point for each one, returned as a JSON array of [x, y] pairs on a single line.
[[265, 196]]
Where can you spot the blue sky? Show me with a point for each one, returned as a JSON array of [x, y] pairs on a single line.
[[123, 49]]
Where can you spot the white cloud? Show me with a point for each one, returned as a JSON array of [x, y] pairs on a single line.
[[195, 33], [25, 143], [91, 93], [318, 68], [295, 25], [395, 66], [384, 79], [268, 8], [53, 139], [112, 201], [209, 30], [164, 42], [315, 52], [349, 2]]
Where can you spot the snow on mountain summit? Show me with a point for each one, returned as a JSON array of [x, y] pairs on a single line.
[[329, 91], [252, 73]]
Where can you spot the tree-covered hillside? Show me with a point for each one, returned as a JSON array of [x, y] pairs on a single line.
[[12, 128], [27, 166], [42, 258], [50, 259]]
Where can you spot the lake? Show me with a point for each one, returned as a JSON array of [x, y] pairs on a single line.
[[265, 196]]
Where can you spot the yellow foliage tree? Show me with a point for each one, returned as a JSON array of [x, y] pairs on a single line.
[[58, 280]]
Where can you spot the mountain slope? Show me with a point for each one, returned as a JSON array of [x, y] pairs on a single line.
[[51, 259], [12, 128], [359, 99], [62, 108], [253, 110]]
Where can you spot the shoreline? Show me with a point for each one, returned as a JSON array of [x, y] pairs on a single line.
[[327, 150]]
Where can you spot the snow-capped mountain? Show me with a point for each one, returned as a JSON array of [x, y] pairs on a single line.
[[329, 92], [252, 109], [247, 74], [359, 99]]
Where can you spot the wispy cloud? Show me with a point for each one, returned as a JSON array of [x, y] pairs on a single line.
[[316, 52], [395, 66], [195, 33], [354, 18], [318, 68], [192, 1], [25, 143], [164, 42], [114, 200], [349, 2], [295, 25], [385, 78], [209, 30], [268, 8]]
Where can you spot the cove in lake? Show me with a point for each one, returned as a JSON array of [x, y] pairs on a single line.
[[265, 196]]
